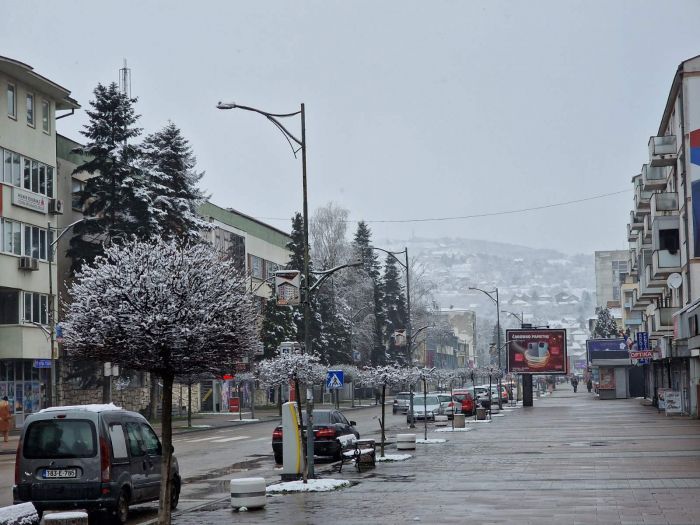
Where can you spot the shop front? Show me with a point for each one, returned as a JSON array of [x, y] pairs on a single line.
[[26, 383]]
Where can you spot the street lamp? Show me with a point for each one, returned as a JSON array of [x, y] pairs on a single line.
[[490, 295], [52, 314], [300, 145], [518, 317]]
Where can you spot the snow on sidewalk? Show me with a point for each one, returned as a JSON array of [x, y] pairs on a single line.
[[313, 485], [449, 429], [430, 441], [394, 457], [22, 514]]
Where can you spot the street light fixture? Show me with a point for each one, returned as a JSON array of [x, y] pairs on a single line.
[[520, 317], [300, 146], [490, 295]]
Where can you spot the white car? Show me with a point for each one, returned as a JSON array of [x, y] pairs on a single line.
[[426, 408]]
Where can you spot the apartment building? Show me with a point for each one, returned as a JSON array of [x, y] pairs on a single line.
[[610, 272], [29, 207], [662, 292]]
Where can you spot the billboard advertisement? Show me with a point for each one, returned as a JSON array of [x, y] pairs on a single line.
[[536, 351], [607, 349]]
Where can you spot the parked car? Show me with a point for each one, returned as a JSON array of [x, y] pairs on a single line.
[[93, 457], [426, 407], [402, 402], [463, 402], [331, 429]]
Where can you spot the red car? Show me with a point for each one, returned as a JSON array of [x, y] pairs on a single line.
[[463, 399]]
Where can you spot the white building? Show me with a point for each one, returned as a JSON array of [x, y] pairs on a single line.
[[29, 104], [611, 267]]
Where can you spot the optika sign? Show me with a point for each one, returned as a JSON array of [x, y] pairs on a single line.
[[29, 200]]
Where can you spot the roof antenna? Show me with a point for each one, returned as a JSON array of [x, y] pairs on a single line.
[[125, 80]]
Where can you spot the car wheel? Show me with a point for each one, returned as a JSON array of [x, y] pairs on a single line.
[[121, 512], [278, 458], [175, 494], [393, 410]]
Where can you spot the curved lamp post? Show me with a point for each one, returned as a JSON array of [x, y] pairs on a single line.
[[493, 295]]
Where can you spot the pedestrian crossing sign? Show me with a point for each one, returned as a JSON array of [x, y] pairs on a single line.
[[334, 379]]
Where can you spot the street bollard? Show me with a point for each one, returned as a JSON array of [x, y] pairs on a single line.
[[248, 492], [460, 421], [71, 517], [405, 442]]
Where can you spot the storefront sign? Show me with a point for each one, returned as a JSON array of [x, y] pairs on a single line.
[[607, 349], [42, 363], [673, 402], [643, 354], [536, 351], [30, 200], [642, 341]]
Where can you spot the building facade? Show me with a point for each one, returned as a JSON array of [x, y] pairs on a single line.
[[663, 291], [611, 267], [29, 208]]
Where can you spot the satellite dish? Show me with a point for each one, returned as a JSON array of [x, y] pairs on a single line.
[[674, 281]]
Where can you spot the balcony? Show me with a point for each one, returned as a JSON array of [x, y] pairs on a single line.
[[663, 320], [653, 177], [633, 318], [662, 151], [632, 233], [636, 222], [664, 263], [646, 230], [642, 199], [664, 204], [639, 303]]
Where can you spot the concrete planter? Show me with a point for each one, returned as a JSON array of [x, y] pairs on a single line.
[[440, 421], [405, 441], [71, 517], [459, 421], [248, 492]]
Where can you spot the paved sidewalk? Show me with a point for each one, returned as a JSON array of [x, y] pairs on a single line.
[[570, 459]]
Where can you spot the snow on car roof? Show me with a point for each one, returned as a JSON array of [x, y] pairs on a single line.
[[88, 408]]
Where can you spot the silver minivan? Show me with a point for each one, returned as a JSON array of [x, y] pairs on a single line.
[[93, 457]]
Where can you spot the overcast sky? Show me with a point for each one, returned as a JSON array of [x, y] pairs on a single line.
[[414, 109]]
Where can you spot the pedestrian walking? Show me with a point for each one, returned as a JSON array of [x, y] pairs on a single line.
[[589, 385], [5, 419], [574, 383]]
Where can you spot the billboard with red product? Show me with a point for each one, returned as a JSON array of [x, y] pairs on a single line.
[[536, 351]]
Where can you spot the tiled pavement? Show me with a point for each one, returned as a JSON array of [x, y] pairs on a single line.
[[569, 459]]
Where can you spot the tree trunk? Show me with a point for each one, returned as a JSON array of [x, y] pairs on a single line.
[[166, 485], [252, 399], [383, 420], [189, 405]]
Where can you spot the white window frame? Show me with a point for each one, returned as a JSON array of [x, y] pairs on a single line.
[[30, 111], [46, 116], [29, 231], [38, 307], [15, 242], [12, 111], [256, 274]]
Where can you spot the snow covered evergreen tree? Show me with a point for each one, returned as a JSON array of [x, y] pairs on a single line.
[[166, 307], [394, 303], [277, 326], [115, 196], [605, 326], [168, 166], [370, 262]]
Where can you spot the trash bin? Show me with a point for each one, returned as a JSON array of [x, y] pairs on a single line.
[[480, 413]]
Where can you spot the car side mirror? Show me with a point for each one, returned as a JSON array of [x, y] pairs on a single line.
[[352, 423]]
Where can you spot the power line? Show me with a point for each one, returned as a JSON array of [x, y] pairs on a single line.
[[476, 215]]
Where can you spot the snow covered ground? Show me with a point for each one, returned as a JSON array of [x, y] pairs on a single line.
[[22, 514], [394, 457], [430, 441], [450, 429], [313, 485]]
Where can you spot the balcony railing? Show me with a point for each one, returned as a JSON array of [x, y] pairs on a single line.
[[664, 203], [636, 222], [663, 151], [642, 199], [663, 318], [632, 234], [653, 177], [646, 231], [664, 263]]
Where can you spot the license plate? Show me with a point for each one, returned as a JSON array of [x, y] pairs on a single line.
[[59, 473]]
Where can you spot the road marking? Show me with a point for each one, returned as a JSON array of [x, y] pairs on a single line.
[[200, 439], [226, 440], [262, 439]]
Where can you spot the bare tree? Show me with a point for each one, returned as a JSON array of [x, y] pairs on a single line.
[[328, 228], [164, 307]]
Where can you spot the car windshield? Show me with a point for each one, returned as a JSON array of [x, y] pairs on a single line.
[[60, 438], [445, 398], [320, 418], [404, 397], [429, 400]]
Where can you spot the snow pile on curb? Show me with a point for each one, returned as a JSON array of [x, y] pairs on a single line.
[[449, 429], [478, 421], [497, 415], [244, 420], [394, 457], [313, 485], [22, 514], [200, 426], [351, 453], [430, 441]]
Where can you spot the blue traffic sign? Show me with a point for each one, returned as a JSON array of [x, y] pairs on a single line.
[[334, 379]]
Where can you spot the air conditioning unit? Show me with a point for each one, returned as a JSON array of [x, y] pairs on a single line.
[[56, 206], [28, 263]]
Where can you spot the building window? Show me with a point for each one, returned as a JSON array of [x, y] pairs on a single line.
[[256, 267], [27, 173], [75, 191], [9, 306], [42, 179], [11, 237], [36, 242], [669, 240], [45, 111], [36, 308], [35, 177], [30, 109], [11, 102], [271, 269], [49, 181]]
